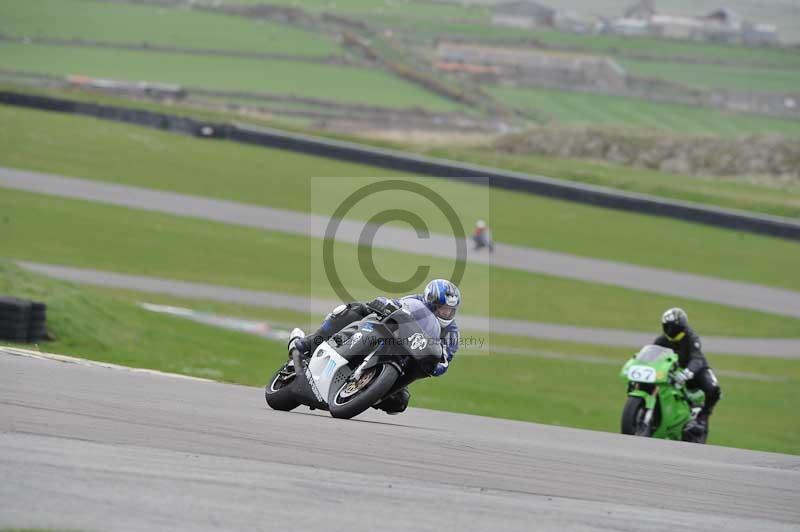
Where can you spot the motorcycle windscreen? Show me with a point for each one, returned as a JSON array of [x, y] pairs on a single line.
[[651, 353], [418, 331], [422, 317]]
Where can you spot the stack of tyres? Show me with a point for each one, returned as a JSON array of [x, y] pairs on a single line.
[[14, 319], [37, 322], [22, 321]]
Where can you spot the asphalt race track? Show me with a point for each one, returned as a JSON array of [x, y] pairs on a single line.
[[90, 448]]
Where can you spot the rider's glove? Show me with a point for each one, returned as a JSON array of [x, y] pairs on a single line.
[[442, 366], [683, 376], [382, 306]]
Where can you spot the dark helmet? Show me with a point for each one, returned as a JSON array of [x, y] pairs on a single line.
[[443, 298], [674, 322]]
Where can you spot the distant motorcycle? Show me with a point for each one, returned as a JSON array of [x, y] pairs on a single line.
[[361, 364], [657, 406]]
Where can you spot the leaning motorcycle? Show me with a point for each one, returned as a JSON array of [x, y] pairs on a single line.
[[362, 364], [658, 406]]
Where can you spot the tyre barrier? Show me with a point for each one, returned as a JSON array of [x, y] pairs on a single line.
[[22, 321]]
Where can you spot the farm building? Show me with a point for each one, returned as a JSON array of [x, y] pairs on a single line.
[[721, 25], [523, 14]]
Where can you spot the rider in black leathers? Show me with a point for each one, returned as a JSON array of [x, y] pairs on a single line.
[[696, 373]]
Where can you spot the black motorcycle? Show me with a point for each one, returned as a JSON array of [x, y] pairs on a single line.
[[362, 364]]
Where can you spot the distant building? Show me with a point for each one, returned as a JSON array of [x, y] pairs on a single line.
[[523, 14], [721, 25], [675, 27], [761, 34], [630, 27], [642, 10]]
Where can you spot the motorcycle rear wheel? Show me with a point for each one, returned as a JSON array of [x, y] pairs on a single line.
[[346, 403]]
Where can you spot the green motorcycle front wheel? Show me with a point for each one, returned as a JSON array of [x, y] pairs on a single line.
[[633, 418]]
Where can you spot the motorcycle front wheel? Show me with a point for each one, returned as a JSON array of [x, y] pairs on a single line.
[[278, 392], [355, 396], [633, 418]]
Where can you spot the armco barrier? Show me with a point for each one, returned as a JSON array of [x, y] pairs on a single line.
[[417, 164]]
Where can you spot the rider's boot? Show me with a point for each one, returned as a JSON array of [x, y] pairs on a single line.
[[396, 403], [702, 419], [698, 427], [297, 343]]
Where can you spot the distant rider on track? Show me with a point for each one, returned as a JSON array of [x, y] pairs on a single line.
[[440, 296], [695, 371]]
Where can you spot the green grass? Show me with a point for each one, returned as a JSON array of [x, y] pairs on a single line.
[[734, 77], [333, 82], [783, 200], [577, 394], [137, 24], [595, 109], [115, 330], [83, 234], [106, 151], [108, 326]]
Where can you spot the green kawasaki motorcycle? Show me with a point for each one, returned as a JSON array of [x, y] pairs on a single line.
[[657, 406]]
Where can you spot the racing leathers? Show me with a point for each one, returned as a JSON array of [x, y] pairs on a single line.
[[690, 357]]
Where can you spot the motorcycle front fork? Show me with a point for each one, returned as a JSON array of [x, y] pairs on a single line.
[[648, 414]]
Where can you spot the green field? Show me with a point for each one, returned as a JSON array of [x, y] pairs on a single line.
[[332, 82], [94, 149], [775, 70], [139, 24], [735, 77], [595, 109], [61, 231], [106, 325]]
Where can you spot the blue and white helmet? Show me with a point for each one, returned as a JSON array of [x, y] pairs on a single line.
[[443, 298]]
